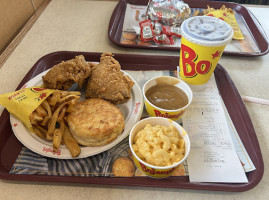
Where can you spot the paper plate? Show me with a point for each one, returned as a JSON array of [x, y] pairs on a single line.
[[132, 111]]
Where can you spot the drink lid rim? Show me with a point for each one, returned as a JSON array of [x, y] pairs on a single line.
[[193, 37]]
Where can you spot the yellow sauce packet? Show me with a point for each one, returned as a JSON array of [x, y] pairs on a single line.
[[22, 103], [228, 16]]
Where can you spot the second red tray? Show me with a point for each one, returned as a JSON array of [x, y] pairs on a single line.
[[252, 25]]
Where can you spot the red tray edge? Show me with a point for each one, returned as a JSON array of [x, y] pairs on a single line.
[[126, 181], [122, 5]]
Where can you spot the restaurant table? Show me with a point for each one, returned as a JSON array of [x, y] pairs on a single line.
[[80, 25]]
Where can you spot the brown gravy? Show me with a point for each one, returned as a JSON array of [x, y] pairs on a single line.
[[167, 97]]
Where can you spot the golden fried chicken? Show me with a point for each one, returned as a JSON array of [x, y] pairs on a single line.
[[109, 82], [65, 74]]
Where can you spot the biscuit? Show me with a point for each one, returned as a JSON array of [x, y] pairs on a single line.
[[95, 122], [129, 36], [130, 154], [180, 171], [139, 173], [123, 167], [128, 42]]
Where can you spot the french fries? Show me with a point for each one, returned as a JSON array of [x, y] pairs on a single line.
[[53, 111], [57, 136], [71, 143], [35, 117], [223, 7], [52, 122], [39, 133], [41, 111], [196, 13], [61, 115]]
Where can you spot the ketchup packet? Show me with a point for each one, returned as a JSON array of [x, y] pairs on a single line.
[[172, 31], [158, 30], [163, 39], [146, 31]]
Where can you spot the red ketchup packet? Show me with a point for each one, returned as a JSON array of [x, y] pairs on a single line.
[[158, 30], [163, 39], [172, 31], [146, 30]]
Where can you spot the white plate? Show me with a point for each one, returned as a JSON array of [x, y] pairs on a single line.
[[132, 111]]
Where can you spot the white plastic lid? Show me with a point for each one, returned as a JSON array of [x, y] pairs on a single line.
[[206, 30]]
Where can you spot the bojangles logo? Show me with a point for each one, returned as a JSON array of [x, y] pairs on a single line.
[[190, 67], [137, 105], [167, 115], [152, 171], [37, 89], [216, 54], [50, 150], [41, 96], [18, 93]]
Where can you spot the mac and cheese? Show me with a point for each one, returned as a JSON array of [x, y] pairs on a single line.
[[159, 145]]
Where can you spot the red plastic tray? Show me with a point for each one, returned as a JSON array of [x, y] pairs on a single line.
[[255, 29], [10, 146]]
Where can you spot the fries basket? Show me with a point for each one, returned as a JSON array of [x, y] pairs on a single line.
[[43, 111]]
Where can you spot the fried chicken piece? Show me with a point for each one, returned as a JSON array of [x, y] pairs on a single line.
[[109, 82], [66, 73]]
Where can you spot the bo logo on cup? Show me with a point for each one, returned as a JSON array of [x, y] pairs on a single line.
[[202, 44], [190, 68]]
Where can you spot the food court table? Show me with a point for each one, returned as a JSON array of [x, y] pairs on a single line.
[[80, 25]]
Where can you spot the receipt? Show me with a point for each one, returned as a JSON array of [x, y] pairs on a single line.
[[213, 157], [239, 147]]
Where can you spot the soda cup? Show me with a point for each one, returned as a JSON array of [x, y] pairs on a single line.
[[202, 44]]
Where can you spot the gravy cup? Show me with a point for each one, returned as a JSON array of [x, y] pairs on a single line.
[[155, 111]]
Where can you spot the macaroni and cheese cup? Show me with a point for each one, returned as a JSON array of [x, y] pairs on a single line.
[[203, 41], [155, 111], [151, 170]]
